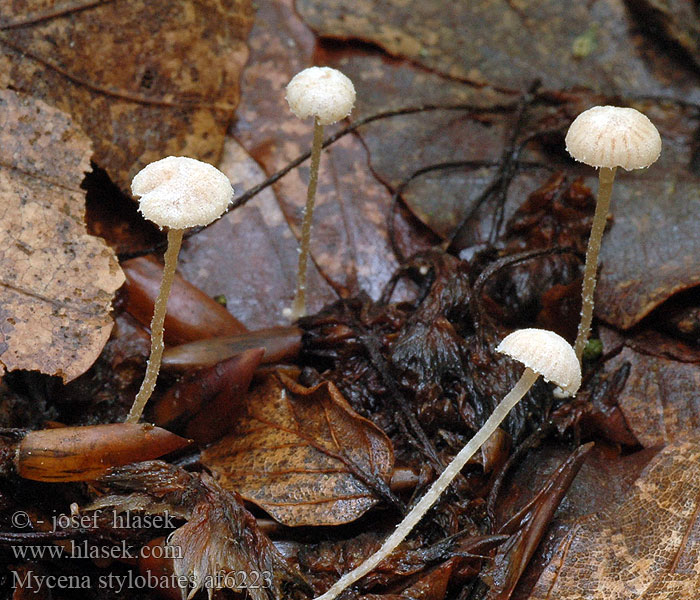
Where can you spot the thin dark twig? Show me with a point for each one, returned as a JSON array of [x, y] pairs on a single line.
[[510, 155], [467, 164], [275, 177], [391, 229], [506, 171], [408, 110]]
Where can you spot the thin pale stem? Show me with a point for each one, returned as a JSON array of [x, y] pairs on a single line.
[[157, 329], [439, 485], [605, 185], [299, 305]]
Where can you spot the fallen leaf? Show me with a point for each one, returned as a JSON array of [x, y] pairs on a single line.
[[250, 254], [528, 526], [192, 315], [143, 79], [659, 400], [218, 545], [604, 479], [57, 282], [504, 43], [349, 243], [650, 250], [645, 547], [676, 19], [303, 455]]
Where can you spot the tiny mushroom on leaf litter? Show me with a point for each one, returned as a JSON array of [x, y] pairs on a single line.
[[544, 353], [328, 96], [607, 137], [176, 192]]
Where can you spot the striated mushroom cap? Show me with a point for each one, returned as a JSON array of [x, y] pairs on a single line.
[[611, 136], [321, 92], [547, 354], [180, 192]]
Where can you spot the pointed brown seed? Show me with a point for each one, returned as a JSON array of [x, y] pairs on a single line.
[[279, 343], [192, 315], [85, 453]]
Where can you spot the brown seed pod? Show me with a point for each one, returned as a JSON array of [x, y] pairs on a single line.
[[85, 453], [192, 315]]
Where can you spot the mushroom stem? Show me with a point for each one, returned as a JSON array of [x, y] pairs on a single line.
[[299, 305], [525, 382], [605, 185], [159, 310]]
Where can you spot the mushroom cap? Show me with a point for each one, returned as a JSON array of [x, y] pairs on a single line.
[[321, 92], [612, 136], [180, 192], [546, 353]]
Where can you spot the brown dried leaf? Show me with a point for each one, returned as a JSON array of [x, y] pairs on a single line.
[[57, 282], [143, 79], [503, 42], [303, 455], [528, 526], [604, 479], [220, 540], [659, 400], [645, 547], [677, 19]]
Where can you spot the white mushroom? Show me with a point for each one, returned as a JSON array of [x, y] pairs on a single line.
[[607, 137], [544, 353], [176, 192], [328, 96]]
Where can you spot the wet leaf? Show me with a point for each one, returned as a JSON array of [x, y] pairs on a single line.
[[604, 479], [528, 526], [220, 536], [279, 343], [250, 254], [349, 242], [659, 400], [303, 455], [209, 400], [143, 79], [646, 546], [192, 315], [676, 19], [502, 43], [56, 282]]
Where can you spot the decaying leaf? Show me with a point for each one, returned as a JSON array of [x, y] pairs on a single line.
[[56, 282], [349, 244], [502, 43], [645, 547], [659, 400], [528, 526], [303, 455], [650, 250], [677, 19], [143, 78], [220, 538], [258, 288]]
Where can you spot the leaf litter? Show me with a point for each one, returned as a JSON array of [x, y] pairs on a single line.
[[371, 346]]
